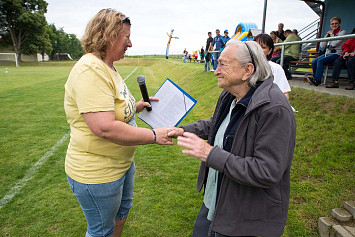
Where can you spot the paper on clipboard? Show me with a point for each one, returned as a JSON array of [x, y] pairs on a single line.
[[173, 105]]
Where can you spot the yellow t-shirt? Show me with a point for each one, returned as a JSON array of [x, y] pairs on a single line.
[[92, 86]]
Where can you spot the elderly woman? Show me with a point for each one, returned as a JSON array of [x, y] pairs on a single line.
[[103, 139], [246, 161], [333, 51]]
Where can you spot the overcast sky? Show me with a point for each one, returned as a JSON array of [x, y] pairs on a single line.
[[191, 19]]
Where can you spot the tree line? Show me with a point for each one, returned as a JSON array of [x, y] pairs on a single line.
[[24, 27]]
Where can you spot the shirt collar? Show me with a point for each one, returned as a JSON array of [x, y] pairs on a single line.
[[245, 100]]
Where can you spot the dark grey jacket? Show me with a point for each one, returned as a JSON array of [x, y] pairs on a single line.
[[255, 190]]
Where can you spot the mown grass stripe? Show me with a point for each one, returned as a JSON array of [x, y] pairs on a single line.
[[31, 172]]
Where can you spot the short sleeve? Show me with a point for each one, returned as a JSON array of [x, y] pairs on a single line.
[[93, 91], [280, 78]]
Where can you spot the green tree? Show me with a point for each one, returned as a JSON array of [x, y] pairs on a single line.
[[22, 22], [64, 43]]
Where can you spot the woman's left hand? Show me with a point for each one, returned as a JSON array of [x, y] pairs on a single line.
[[196, 146], [141, 104]]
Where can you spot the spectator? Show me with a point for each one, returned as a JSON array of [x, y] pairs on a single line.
[[348, 58], [217, 40], [185, 55], [267, 44], [195, 56], [202, 54], [225, 39], [291, 52], [212, 60], [295, 32], [276, 40], [246, 162], [208, 54], [333, 51], [280, 32]]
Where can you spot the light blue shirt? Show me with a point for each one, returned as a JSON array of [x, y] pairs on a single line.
[[212, 178]]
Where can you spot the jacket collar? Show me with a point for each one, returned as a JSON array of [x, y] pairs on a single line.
[[261, 95]]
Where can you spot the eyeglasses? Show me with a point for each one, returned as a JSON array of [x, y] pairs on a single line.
[[126, 20], [251, 55]]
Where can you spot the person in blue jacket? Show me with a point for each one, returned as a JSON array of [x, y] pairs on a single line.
[[225, 39], [217, 44]]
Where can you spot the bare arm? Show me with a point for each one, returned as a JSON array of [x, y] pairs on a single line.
[[104, 125]]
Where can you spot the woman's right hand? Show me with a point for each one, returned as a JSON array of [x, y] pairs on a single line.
[[329, 33], [162, 137]]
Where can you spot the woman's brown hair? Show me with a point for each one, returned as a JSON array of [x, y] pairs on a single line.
[[101, 30]]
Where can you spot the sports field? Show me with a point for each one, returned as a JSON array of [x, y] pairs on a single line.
[[35, 196]]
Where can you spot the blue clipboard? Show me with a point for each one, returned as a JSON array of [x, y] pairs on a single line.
[[173, 106]]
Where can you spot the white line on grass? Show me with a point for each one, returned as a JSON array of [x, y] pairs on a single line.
[[130, 74], [31, 172]]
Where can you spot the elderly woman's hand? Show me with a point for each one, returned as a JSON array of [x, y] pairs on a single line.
[[141, 104], [196, 146], [175, 132]]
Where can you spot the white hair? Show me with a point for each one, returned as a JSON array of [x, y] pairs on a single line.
[[262, 69]]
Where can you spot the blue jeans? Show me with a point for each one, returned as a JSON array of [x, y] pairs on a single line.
[[216, 57], [318, 65], [103, 203], [350, 62], [207, 66]]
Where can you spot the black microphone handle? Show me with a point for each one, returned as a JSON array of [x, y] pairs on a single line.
[[145, 95]]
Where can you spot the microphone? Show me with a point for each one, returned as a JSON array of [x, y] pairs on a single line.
[[142, 86]]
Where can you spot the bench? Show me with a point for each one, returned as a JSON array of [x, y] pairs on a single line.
[[293, 65]]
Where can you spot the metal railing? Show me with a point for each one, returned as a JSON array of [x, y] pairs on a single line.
[[309, 26], [343, 37]]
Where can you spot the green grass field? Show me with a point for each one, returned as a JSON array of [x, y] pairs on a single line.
[[32, 120]]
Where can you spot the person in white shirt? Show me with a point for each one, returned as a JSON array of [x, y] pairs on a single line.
[[267, 44]]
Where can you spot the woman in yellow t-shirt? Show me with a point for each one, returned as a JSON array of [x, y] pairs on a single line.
[[104, 135]]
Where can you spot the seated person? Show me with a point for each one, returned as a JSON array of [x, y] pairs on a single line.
[[333, 51], [276, 40], [295, 32], [291, 53], [348, 58]]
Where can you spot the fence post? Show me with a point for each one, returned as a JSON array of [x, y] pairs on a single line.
[[16, 56], [282, 55]]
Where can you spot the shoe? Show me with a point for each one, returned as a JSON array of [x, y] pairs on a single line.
[[333, 85], [310, 81], [212, 70], [350, 87], [290, 78]]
